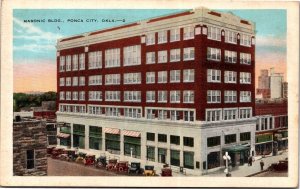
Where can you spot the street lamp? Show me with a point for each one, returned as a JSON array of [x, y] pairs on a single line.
[[131, 152], [227, 158]]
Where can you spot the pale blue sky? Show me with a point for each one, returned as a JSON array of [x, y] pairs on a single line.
[[37, 40]]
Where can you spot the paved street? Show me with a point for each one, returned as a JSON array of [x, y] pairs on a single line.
[[64, 168], [245, 170], [272, 174]]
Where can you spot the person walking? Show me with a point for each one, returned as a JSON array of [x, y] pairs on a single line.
[[250, 160], [262, 165]]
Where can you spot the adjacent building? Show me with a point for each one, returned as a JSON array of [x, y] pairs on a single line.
[[176, 89], [29, 147]]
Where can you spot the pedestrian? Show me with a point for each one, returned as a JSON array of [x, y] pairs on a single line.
[[262, 165], [250, 160]]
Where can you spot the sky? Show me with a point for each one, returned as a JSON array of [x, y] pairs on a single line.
[[34, 53]]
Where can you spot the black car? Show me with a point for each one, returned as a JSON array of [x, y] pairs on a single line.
[[135, 167]]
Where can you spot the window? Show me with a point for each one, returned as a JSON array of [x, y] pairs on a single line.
[[175, 139], [175, 76], [95, 96], [188, 141], [95, 80], [150, 39], [150, 77], [150, 96], [150, 153], [162, 114], [175, 96], [213, 76], [162, 37], [245, 136], [245, 78], [245, 40], [132, 96], [81, 81], [82, 95], [174, 55], [162, 96], [188, 96], [213, 54], [151, 136], [62, 81], [96, 110], [213, 141], [174, 115], [245, 113], [230, 138], [75, 95], [112, 95], [112, 58], [188, 160], [162, 138], [162, 56], [61, 95], [188, 115], [230, 56], [188, 75], [213, 115], [112, 79], [230, 77], [95, 60], [162, 77], [245, 96], [132, 55], [62, 63], [75, 62], [132, 78], [188, 33], [79, 136], [82, 61], [30, 159], [175, 157], [68, 95], [95, 137], [230, 114], [150, 114], [214, 33], [68, 81], [150, 57], [230, 96], [230, 37], [75, 81], [175, 34], [213, 96], [245, 58], [189, 53], [162, 155], [132, 112], [110, 111], [68, 63]]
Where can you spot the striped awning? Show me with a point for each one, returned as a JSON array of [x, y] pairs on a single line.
[[131, 133], [63, 135], [112, 131]]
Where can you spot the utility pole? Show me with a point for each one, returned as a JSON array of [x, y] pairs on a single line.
[[227, 158]]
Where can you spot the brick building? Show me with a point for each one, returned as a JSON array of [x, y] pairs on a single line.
[[29, 147], [271, 126], [176, 89]]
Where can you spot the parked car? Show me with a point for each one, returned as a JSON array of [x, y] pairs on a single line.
[[282, 165], [49, 150], [111, 164], [135, 167], [121, 166], [81, 157], [101, 162], [166, 172], [56, 152], [89, 160], [149, 170]]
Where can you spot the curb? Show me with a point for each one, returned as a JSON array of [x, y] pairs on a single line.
[[266, 170]]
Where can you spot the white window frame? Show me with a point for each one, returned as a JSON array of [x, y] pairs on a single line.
[[82, 95], [213, 54], [82, 81], [230, 57], [61, 95], [162, 77], [245, 40], [175, 96], [213, 76], [245, 78], [61, 81], [245, 113], [132, 78], [188, 75], [213, 96], [189, 53], [150, 39], [112, 96], [230, 77], [230, 96], [175, 76], [245, 58], [95, 60], [214, 33], [68, 63], [230, 114], [230, 37], [112, 58], [75, 62], [95, 95], [75, 95], [162, 96], [150, 58], [68, 81], [132, 96], [162, 56], [188, 32], [132, 55], [245, 96], [75, 81], [175, 34], [188, 96], [162, 37], [112, 79], [82, 61], [150, 77], [175, 55], [68, 95], [213, 113], [150, 96], [95, 80], [62, 63]]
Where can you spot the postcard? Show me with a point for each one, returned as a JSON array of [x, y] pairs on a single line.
[[149, 94]]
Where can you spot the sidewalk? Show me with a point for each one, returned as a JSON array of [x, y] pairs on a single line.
[[245, 170]]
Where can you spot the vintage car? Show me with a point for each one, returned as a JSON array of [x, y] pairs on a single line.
[[81, 157], [111, 164], [49, 150], [89, 160], [149, 170], [166, 172], [56, 152], [282, 165], [101, 162], [121, 166], [135, 168]]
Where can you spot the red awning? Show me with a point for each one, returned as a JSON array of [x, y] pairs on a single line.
[[112, 131], [131, 133], [63, 135]]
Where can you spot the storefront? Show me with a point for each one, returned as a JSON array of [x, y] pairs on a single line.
[[281, 137], [132, 143], [78, 136], [264, 144], [239, 154], [162, 155], [95, 138], [112, 140], [64, 135], [213, 160]]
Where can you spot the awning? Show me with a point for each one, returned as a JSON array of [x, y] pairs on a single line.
[[112, 131], [63, 135], [237, 148], [131, 133]]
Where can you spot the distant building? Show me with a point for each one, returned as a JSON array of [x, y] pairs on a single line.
[[276, 80], [285, 90], [46, 110], [264, 79], [29, 147]]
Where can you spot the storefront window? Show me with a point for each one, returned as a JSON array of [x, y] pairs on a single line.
[[78, 136], [175, 157], [213, 141], [150, 153], [95, 138], [213, 160], [112, 143], [230, 138], [132, 145], [245, 136], [188, 160], [162, 155]]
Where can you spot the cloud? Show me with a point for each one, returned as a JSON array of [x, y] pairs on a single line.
[[271, 41], [34, 48]]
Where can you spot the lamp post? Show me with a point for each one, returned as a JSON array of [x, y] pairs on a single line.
[[227, 158], [131, 152]]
